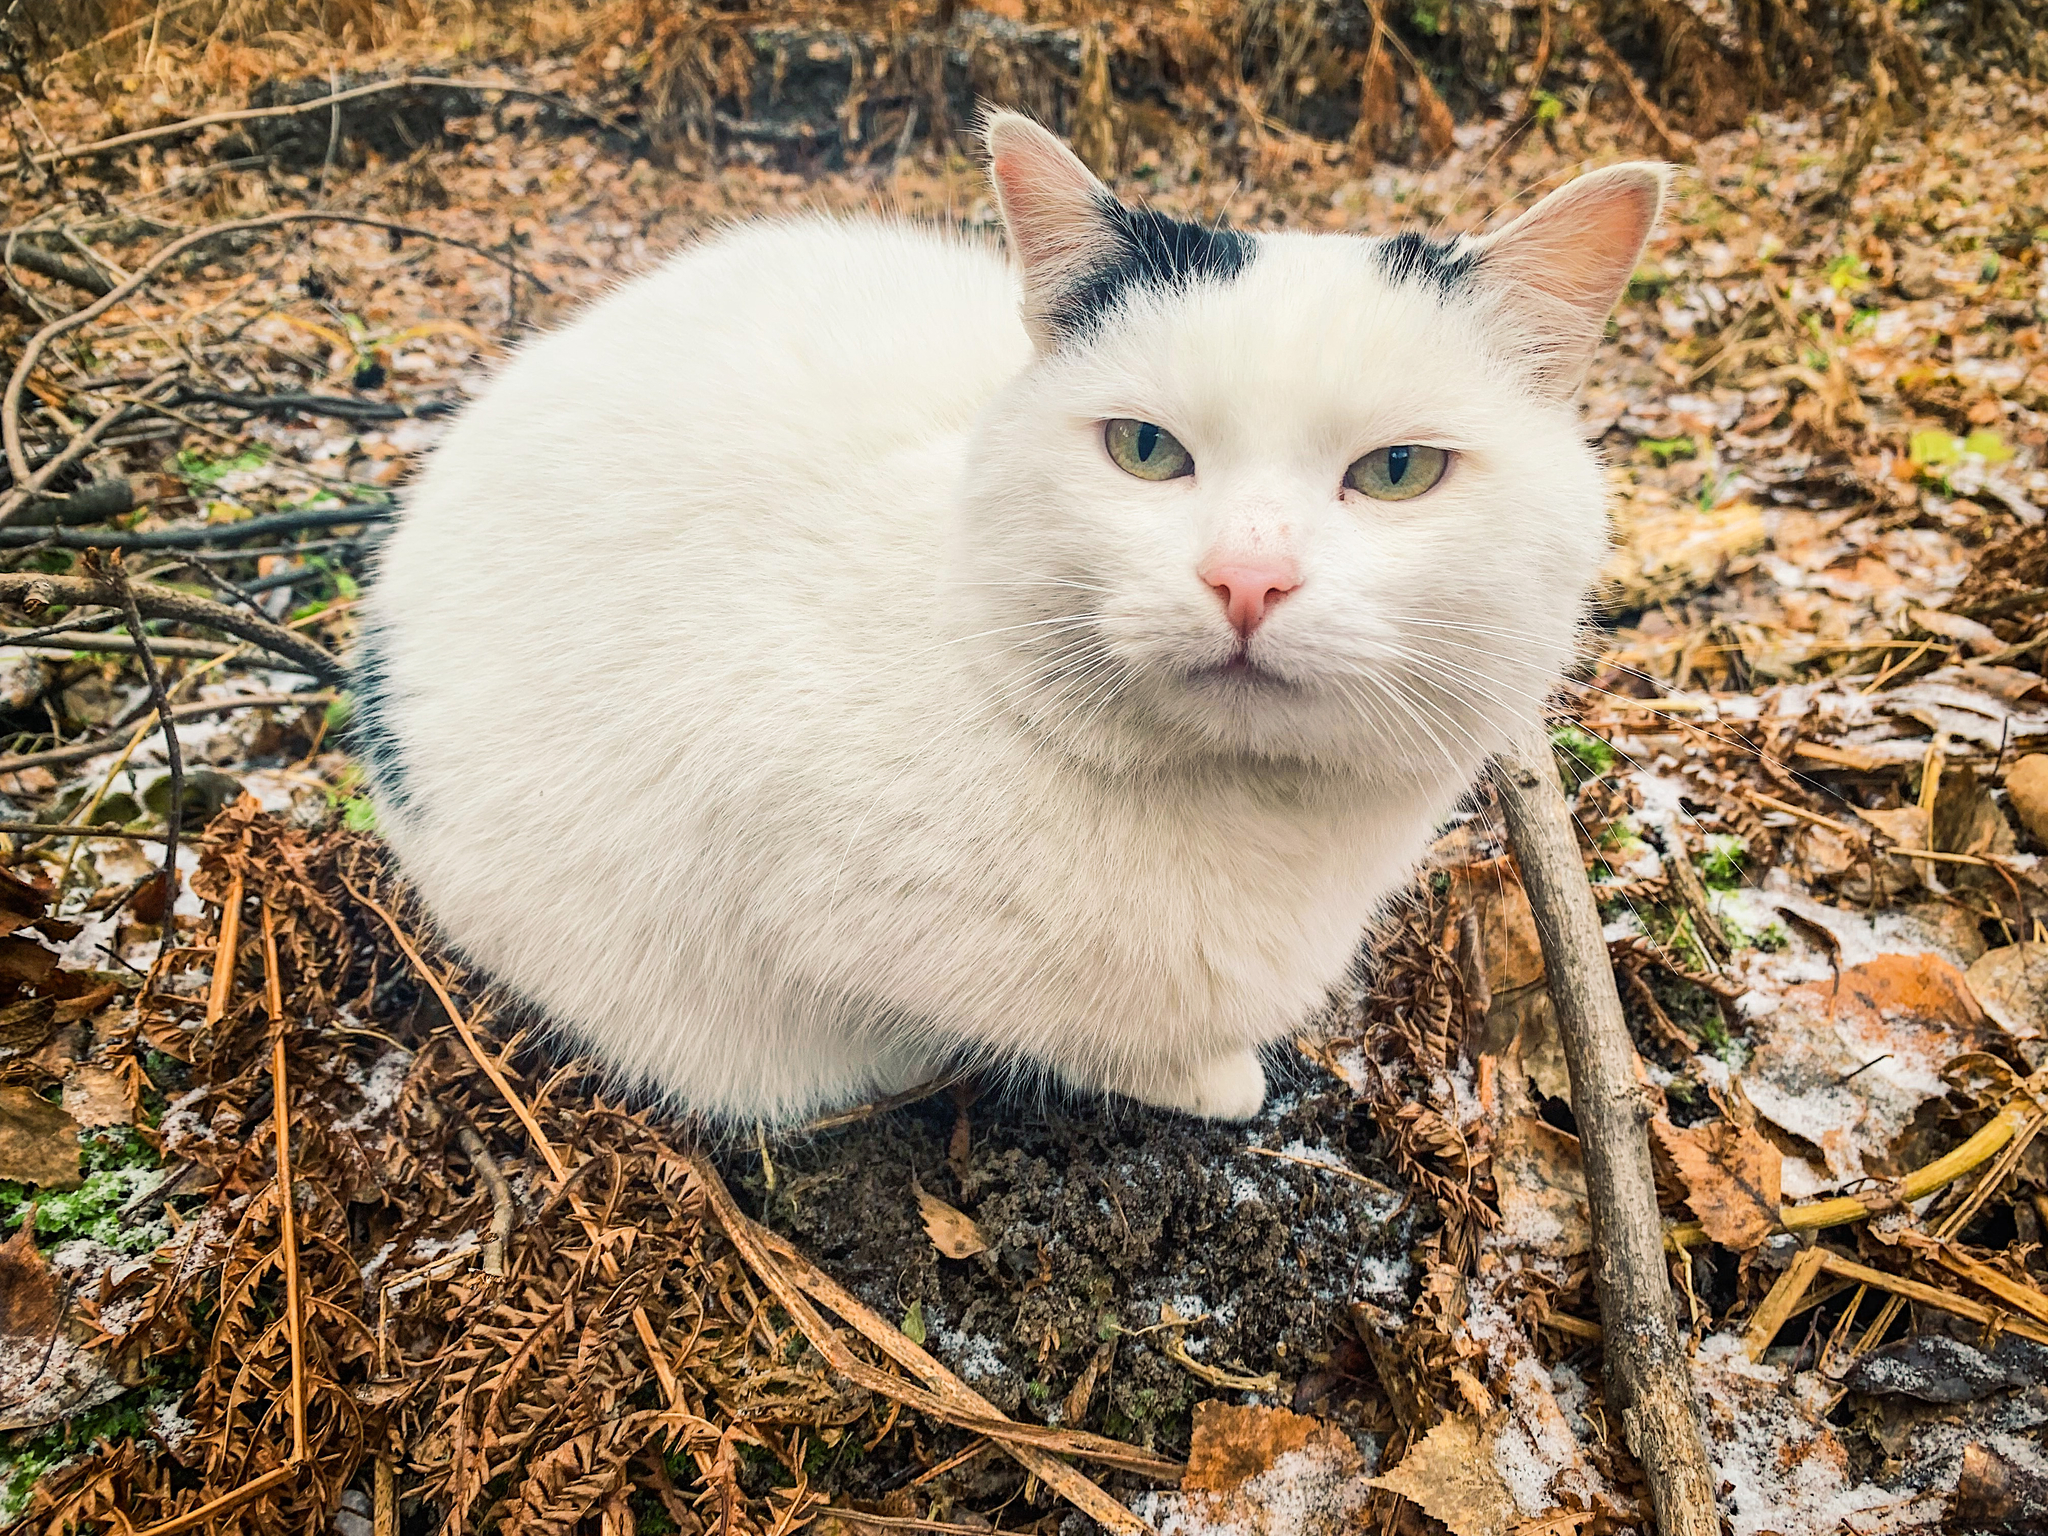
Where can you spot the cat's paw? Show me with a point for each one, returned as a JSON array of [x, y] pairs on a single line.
[[1231, 1087]]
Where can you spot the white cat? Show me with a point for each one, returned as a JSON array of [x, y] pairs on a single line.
[[839, 655]]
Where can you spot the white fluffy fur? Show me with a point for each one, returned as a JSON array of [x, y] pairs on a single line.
[[792, 696]]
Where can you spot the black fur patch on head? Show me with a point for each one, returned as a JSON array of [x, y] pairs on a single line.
[[1410, 255], [370, 736], [1152, 251]]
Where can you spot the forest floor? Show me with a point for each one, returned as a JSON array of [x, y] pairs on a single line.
[[1809, 752]]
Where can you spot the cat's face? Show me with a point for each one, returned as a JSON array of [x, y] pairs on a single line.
[[1288, 495]]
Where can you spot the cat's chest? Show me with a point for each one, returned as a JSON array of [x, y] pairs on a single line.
[[1245, 869]]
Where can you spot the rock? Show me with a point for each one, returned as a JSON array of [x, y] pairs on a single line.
[[2026, 785]]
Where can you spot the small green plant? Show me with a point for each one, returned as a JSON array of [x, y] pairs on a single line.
[[1665, 449], [1847, 273], [1937, 453], [1590, 757], [118, 1165], [25, 1463], [203, 473], [1548, 107], [1647, 282], [913, 1322], [1721, 864]]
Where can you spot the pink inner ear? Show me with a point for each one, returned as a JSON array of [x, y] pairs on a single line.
[[1581, 243], [1049, 197]]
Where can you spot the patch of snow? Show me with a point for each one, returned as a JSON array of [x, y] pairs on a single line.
[[380, 1088], [1308, 1490], [1783, 1467], [974, 1356], [1382, 1277], [1535, 1448]]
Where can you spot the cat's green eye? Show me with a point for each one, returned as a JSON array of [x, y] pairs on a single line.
[[1397, 473], [1149, 452]]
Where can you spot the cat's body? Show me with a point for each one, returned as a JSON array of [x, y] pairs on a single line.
[[773, 679]]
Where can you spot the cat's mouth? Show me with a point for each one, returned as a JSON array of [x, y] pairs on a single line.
[[1241, 669]]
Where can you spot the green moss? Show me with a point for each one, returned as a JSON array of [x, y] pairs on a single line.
[[118, 1165], [1585, 755], [1721, 866], [31, 1457]]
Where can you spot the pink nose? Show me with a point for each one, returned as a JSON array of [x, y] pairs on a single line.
[[1249, 592]]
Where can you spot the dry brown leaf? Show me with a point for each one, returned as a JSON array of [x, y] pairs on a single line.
[[1503, 961], [26, 1025], [2026, 785], [1231, 1444], [29, 1315], [38, 1141], [1542, 1187], [1451, 1477], [952, 1231], [1847, 1062], [1267, 1472], [2012, 985], [94, 1096], [1732, 1179], [1906, 826]]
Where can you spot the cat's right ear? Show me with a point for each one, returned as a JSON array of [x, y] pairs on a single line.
[[1053, 208]]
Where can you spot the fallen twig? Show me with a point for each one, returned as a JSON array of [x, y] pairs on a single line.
[[78, 751], [174, 756], [456, 1016], [10, 402], [288, 1216], [63, 642], [28, 485], [2023, 1113], [65, 829], [221, 993], [493, 1176], [298, 109], [45, 262], [1645, 1367], [197, 534], [180, 608], [1931, 1296], [338, 406]]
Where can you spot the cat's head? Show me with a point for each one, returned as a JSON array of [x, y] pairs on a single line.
[[1289, 495]]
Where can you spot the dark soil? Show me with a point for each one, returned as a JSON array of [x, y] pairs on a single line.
[[1097, 1215]]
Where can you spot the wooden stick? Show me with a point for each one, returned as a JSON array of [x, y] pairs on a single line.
[[193, 125], [1782, 1302], [32, 351], [1645, 1367], [288, 1215], [541, 1144], [213, 1509], [223, 990], [154, 602], [2016, 1117], [2008, 1290], [1930, 1296], [78, 751], [174, 813]]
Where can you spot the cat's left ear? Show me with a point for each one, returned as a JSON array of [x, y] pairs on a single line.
[[1560, 267], [1054, 209]]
